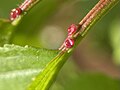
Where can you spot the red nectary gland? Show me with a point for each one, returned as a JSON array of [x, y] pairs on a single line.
[[72, 29], [15, 13], [69, 43]]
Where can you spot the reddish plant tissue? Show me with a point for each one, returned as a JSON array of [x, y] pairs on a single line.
[[15, 13], [72, 29], [26, 4], [69, 43]]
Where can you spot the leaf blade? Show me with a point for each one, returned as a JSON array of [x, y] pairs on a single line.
[[18, 65]]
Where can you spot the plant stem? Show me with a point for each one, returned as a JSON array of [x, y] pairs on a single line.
[[17, 20], [98, 11], [94, 15]]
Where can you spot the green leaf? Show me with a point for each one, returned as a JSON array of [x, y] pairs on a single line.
[[45, 79], [19, 65], [6, 30]]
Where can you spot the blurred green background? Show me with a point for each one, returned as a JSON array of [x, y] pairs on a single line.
[[95, 64]]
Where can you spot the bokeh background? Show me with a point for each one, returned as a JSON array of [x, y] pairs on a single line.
[[95, 63]]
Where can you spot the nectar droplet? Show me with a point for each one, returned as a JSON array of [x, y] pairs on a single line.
[[15, 13], [72, 29], [69, 43]]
